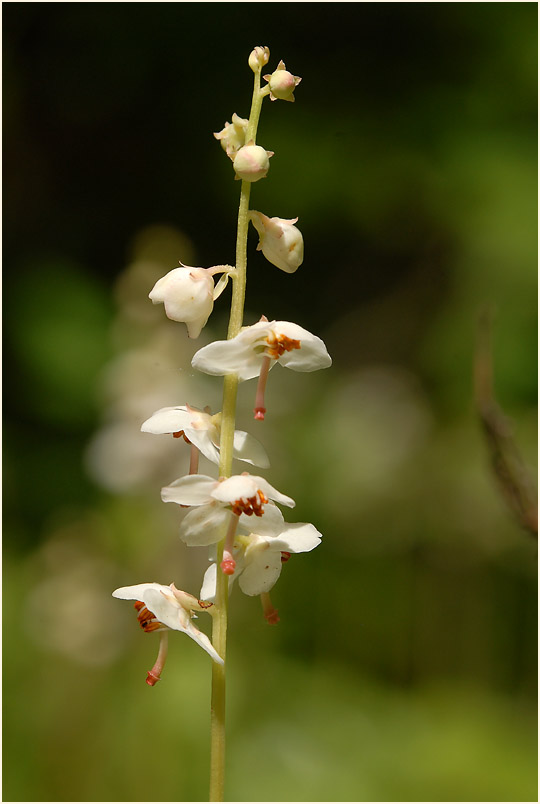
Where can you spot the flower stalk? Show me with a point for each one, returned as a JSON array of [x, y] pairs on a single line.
[[228, 421]]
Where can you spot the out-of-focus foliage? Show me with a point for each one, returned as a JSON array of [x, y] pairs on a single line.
[[404, 665]]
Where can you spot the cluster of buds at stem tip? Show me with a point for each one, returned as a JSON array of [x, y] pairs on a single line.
[[188, 294], [258, 58], [279, 240]]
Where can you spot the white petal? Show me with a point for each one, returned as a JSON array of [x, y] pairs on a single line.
[[203, 641], [201, 439], [273, 493], [195, 326], [271, 523], [248, 449], [163, 604], [208, 588], [261, 572], [312, 354], [228, 357], [167, 420], [205, 525], [138, 591], [237, 487], [189, 490], [300, 537]]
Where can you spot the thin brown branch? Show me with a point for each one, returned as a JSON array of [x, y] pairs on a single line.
[[508, 467]]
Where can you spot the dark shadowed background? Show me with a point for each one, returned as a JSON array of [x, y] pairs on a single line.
[[404, 665]]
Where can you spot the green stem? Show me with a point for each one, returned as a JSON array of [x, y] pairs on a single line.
[[228, 421]]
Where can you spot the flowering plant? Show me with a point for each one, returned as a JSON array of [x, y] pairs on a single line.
[[236, 515]]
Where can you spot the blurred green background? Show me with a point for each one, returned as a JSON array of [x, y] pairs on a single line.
[[404, 665]]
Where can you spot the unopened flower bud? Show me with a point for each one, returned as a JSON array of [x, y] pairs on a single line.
[[252, 162], [233, 136], [282, 83], [280, 241], [188, 295], [258, 58]]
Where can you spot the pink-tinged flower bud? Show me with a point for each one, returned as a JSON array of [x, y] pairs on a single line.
[[188, 296], [233, 136], [252, 162], [282, 83], [258, 58], [280, 241]]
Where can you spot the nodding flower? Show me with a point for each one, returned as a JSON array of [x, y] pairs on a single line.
[[279, 240], [203, 432], [256, 349], [260, 549], [214, 501], [188, 294], [163, 608]]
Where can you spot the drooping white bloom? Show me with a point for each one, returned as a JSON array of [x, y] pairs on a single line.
[[280, 241], [204, 430], [160, 607], [244, 355], [189, 294], [258, 57], [213, 501], [260, 549], [256, 349], [282, 83], [233, 135]]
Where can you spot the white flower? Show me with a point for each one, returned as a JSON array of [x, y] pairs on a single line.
[[256, 349], [214, 500], [203, 431], [282, 83], [260, 549], [233, 136], [160, 607], [244, 355], [280, 241], [189, 294]]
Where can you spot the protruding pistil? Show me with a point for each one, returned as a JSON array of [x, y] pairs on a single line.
[[228, 564], [154, 675], [270, 613], [260, 409]]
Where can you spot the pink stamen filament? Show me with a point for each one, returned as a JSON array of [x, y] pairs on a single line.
[[270, 613], [154, 675], [260, 410], [228, 564]]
